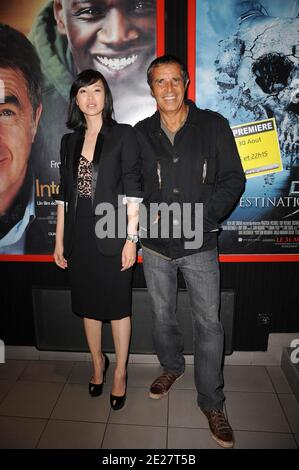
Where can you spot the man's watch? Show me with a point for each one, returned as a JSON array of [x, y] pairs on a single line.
[[132, 238]]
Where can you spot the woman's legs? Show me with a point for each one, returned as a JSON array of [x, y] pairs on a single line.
[[93, 331], [121, 331]]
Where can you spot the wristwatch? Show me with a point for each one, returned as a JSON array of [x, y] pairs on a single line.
[[132, 238]]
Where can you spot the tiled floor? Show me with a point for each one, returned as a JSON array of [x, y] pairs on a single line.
[[45, 404]]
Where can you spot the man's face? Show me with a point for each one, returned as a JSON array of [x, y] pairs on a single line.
[[168, 88], [17, 130], [115, 37]]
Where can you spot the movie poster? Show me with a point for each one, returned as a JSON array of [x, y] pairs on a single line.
[[247, 69], [116, 38]]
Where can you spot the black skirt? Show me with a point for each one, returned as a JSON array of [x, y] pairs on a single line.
[[99, 290]]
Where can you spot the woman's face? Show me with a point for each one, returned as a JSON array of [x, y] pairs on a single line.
[[115, 37], [91, 99]]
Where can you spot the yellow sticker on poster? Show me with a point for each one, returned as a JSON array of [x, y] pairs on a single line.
[[258, 147]]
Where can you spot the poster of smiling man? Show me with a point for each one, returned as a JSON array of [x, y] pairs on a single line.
[[116, 38], [247, 69]]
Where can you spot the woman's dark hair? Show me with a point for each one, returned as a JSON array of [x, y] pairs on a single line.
[[76, 119]]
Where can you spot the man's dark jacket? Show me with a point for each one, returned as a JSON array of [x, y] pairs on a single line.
[[203, 166]]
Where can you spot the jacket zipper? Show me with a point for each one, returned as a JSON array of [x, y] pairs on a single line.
[[204, 171], [159, 173]]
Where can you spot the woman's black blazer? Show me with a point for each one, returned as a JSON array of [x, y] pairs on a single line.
[[116, 171]]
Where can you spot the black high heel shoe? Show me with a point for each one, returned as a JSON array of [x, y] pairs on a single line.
[[116, 402], [95, 390]]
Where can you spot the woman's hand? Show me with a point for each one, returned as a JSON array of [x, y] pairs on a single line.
[[128, 256], [59, 258]]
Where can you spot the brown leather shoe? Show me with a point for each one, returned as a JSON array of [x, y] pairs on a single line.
[[161, 386], [220, 428]]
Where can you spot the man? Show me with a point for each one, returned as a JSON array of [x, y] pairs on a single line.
[[189, 156], [20, 110]]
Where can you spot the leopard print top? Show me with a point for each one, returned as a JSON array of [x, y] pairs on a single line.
[[84, 177]]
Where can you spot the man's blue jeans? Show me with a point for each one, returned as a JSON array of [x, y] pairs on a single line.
[[201, 274]]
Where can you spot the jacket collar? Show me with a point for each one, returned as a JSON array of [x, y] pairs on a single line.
[[105, 130], [53, 51], [155, 120], [78, 145]]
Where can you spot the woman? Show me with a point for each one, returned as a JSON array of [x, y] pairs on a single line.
[[99, 161]]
